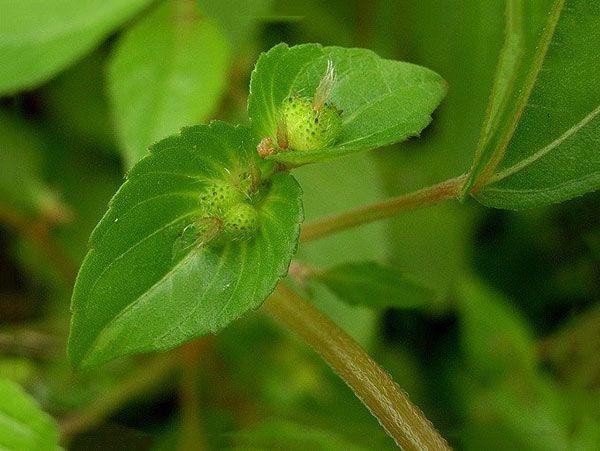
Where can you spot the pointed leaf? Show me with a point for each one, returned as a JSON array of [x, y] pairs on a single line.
[[23, 426], [382, 101], [37, 41], [168, 71], [374, 285], [150, 280]]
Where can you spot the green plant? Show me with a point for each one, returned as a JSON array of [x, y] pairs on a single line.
[[208, 222]]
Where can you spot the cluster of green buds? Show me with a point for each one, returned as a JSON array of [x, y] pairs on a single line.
[[307, 124], [231, 208]]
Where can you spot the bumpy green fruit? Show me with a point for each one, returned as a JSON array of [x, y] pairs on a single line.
[[218, 197], [241, 221], [308, 128]]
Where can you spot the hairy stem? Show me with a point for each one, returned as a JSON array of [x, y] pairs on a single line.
[[402, 420], [328, 225], [150, 376]]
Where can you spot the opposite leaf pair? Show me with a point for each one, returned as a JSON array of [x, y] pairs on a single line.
[[197, 236]]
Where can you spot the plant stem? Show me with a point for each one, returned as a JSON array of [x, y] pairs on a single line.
[[328, 225], [402, 420], [147, 378]]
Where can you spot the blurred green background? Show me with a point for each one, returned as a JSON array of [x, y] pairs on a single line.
[[507, 357]]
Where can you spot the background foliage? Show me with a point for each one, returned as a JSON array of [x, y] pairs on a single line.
[[499, 349]]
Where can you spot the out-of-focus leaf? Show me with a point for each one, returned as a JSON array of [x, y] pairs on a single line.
[[329, 23], [168, 71], [17, 369], [77, 104], [22, 187], [23, 426], [239, 19], [86, 183], [374, 285], [150, 281], [544, 146], [573, 350], [495, 338], [382, 101], [293, 382], [587, 436], [282, 434], [37, 40], [434, 243], [518, 415]]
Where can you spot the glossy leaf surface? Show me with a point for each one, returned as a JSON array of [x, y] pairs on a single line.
[[544, 148], [152, 280]]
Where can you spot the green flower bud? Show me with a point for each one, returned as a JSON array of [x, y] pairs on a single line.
[[307, 127], [241, 221]]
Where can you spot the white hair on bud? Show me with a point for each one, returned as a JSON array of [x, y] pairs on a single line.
[[323, 91]]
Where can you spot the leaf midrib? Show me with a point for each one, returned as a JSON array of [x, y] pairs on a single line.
[[183, 262], [545, 150], [538, 61], [135, 245]]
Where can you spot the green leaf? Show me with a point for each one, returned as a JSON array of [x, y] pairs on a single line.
[[517, 67], [539, 145], [37, 41], [496, 340], [23, 426], [168, 71], [150, 282], [382, 101], [374, 285]]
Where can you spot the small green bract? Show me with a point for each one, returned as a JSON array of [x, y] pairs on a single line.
[[241, 221], [309, 128]]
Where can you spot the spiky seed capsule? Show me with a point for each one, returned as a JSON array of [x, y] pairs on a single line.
[[308, 128], [218, 197], [240, 221]]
